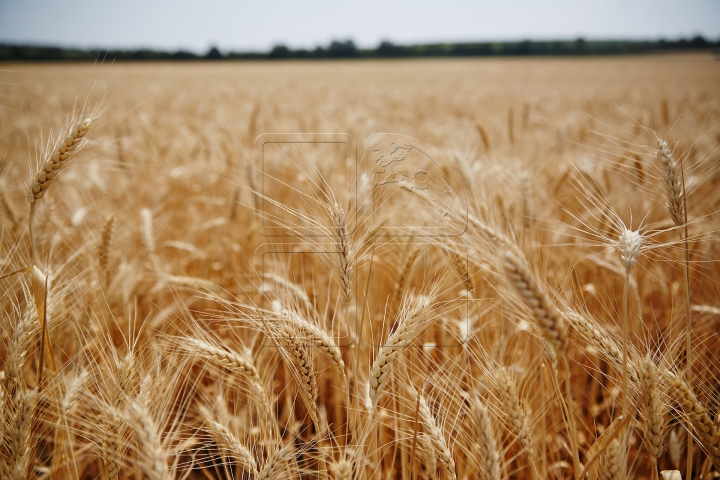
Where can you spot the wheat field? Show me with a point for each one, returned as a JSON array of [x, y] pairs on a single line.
[[440, 269]]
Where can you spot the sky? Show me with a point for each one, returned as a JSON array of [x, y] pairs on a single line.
[[259, 25]]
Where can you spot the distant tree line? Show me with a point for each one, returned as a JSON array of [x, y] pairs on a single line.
[[347, 49]]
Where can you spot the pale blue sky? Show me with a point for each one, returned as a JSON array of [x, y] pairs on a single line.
[[258, 25]]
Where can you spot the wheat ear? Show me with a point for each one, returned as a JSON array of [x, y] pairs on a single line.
[[549, 320], [277, 465], [237, 363], [113, 423], [148, 237], [675, 447], [673, 183], [485, 436], [56, 162], [300, 362], [652, 408], [427, 457], [409, 324], [149, 442], [614, 464], [437, 439], [20, 434], [483, 136], [343, 469], [316, 336], [106, 235], [111, 442], [344, 252], [513, 411], [461, 267], [554, 330], [226, 440], [194, 283], [698, 415], [600, 339], [17, 351], [63, 438]]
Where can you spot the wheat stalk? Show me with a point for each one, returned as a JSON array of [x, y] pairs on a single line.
[[677, 207], [629, 244]]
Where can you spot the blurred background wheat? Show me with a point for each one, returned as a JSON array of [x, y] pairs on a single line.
[[544, 306]]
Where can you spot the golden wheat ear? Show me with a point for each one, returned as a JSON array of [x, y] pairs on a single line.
[[652, 407], [228, 442], [698, 415], [20, 434], [486, 439], [410, 322], [513, 412], [674, 191], [58, 161], [153, 457], [549, 320], [435, 447]]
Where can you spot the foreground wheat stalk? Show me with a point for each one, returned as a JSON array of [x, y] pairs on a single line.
[[677, 208], [553, 326]]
